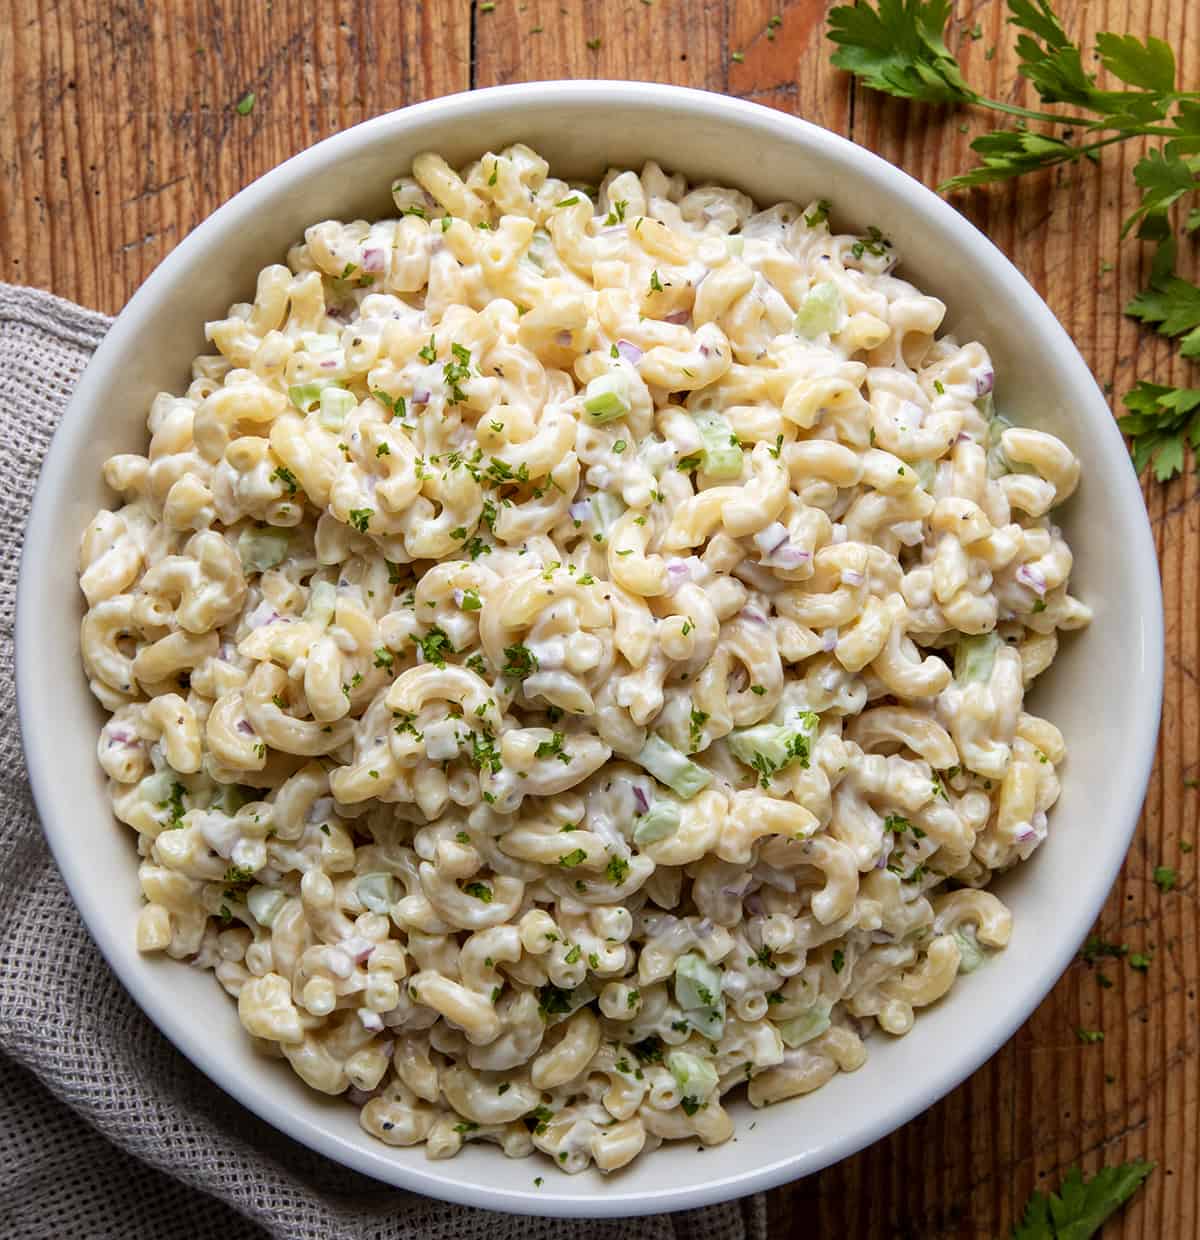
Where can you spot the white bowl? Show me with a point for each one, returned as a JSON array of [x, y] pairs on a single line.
[[1104, 690]]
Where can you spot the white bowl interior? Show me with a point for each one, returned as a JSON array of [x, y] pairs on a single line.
[[1103, 690]]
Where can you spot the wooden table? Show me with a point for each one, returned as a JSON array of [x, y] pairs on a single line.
[[120, 134]]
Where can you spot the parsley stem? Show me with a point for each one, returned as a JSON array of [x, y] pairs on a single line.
[[1014, 109]]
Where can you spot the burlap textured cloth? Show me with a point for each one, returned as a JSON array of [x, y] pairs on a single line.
[[105, 1129]]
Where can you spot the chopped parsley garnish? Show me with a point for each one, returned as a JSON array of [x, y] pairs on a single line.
[[553, 748], [617, 214], [648, 1050], [1165, 878], [429, 352], [174, 805], [360, 518], [1089, 1036], [616, 870], [656, 285], [457, 372], [838, 960], [572, 859], [481, 891], [285, 476], [1095, 948], [553, 1001], [819, 214], [696, 727], [435, 645], [384, 657], [484, 754], [519, 662], [573, 955]]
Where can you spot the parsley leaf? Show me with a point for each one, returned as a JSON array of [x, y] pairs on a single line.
[[1080, 1206], [1172, 306], [899, 49], [1159, 420]]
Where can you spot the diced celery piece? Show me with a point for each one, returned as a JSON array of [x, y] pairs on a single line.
[[971, 955], [261, 549], [696, 1077], [672, 768], [336, 406], [377, 891], [734, 246], [607, 398], [808, 1025], [606, 510], [822, 310], [658, 822], [708, 1022], [974, 657], [307, 396], [926, 472], [697, 983], [769, 747], [265, 904], [230, 799], [156, 788], [722, 455], [322, 599]]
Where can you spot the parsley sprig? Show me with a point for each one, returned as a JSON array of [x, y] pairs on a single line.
[[899, 47], [1080, 1206]]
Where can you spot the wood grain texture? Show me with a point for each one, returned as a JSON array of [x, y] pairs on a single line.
[[119, 134]]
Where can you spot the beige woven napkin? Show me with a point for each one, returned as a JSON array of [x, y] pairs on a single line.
[[105, 1129]]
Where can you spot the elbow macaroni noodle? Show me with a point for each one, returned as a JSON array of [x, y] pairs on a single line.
[[566, 654]]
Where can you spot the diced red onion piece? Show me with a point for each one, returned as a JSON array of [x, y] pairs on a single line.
[[681, 316], [852, 577], [243, 725], [789, 556], [564, 339], [373, 261], [704, 928], [754, 905], [421, 396], [984, 382], [580, 510], [264, 613], [640, 797], [752, 615], [773, 537], [1032, 578], [357, 948], [330, 363], [829, 640], [630, 352]]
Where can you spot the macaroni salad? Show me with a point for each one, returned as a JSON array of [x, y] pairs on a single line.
[[566, 654]]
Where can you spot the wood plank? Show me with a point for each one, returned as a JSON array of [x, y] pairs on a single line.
[[119, 134], [121, 130]]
